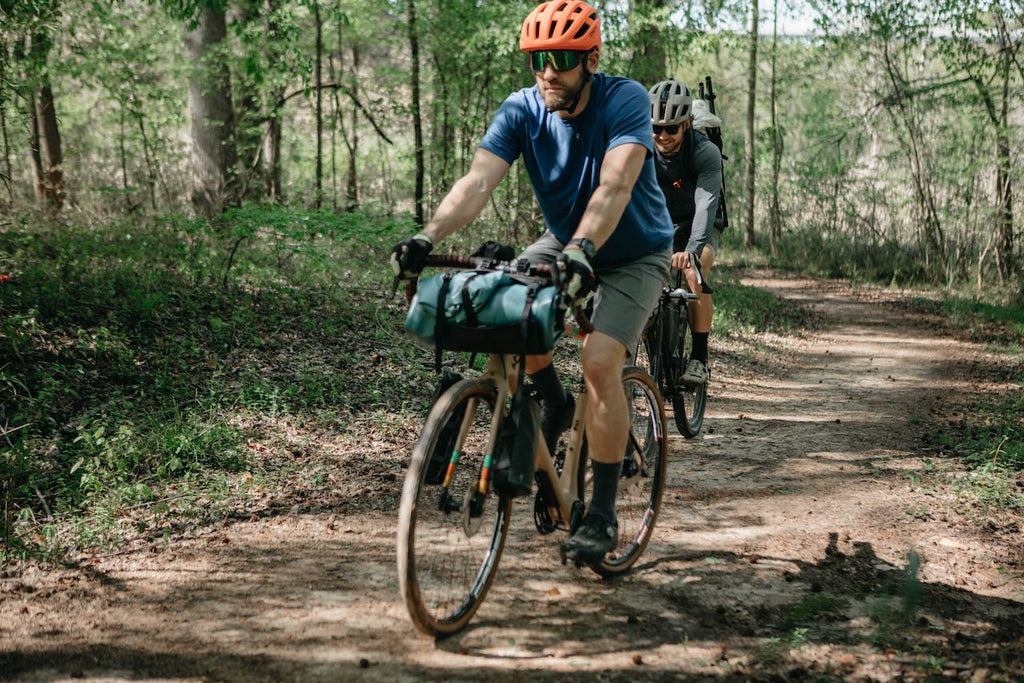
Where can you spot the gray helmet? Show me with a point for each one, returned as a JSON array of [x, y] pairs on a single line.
[[670, 103]]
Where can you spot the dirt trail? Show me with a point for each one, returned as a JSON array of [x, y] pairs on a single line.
[[808, 534]]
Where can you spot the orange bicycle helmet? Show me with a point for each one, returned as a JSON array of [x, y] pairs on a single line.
[[561, 25]]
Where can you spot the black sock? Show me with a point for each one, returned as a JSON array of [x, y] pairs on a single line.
[[606, 484], [550, 386], [700, 347]]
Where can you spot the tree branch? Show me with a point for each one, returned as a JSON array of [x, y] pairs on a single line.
[[338, 86]]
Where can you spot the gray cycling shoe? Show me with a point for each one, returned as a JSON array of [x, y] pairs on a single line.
[[696, 374], [595, 538]]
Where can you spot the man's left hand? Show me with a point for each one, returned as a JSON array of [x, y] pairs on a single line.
[[578, 278]]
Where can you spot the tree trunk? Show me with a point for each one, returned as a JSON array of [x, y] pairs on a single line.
[[352, 188], [5, 175], [49, 139], [414, 46], [272, 189], [749, 147], [774, 212], [47, 157], [214, 158], [319, 114], [8, 171], [35, 147], [1004, 175]]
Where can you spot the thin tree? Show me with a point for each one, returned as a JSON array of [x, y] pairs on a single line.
[[774, 211], [319, 114], [273, 98], [749, 147], [417, 124]]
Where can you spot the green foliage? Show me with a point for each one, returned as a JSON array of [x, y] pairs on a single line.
[[130, 356], [990, 438], [845, 256], [741, 308]]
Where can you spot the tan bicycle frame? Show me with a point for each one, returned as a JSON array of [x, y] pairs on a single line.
[[502, 370]]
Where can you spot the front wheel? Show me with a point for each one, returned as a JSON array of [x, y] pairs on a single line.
[[644, 468], [688, 403], [450, 532]]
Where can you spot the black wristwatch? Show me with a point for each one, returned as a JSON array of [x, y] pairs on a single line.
[[586, 246]]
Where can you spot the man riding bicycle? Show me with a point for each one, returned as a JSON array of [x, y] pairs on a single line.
[[689, 170], [586, 142]]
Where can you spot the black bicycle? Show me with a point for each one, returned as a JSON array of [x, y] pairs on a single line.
[[665, 348]]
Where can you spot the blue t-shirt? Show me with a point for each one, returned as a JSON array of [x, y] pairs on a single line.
[[563, 160]]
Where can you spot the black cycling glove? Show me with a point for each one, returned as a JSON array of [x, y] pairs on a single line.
[[410, 255], [578, 279]]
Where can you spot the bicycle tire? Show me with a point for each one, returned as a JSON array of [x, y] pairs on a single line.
[[642, 485], [666, 364], [688, 403], [448, 553]]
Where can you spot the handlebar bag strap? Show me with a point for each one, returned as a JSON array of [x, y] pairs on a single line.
[[440, 320]]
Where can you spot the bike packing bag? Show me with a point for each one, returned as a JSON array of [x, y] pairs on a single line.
[[442, 454], [515, 454], [486, 311]]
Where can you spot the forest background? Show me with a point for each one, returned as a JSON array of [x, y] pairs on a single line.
[[188, 187]]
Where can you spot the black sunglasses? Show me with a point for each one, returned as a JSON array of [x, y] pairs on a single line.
[[560, 60], [671, 130]]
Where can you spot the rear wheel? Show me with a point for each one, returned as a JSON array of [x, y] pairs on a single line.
[[450, 534], [644, 469]]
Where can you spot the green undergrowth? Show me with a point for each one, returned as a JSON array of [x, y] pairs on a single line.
[[140, 359], [988, 436], [156, 375], [742, 308]]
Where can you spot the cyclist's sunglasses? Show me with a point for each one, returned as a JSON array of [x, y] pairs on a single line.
[[671, 130], [560, 60]]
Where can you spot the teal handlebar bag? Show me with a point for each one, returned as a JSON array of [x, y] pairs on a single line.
[[487, 312]]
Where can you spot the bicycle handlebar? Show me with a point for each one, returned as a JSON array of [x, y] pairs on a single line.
[[515, 266]]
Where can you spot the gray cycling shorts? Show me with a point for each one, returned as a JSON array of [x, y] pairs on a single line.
[[626, 293]]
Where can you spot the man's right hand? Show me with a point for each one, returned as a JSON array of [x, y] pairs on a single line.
[[410, 255], [689, 263]]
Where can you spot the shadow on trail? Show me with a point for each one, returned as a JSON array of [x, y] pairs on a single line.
[[853, 599]]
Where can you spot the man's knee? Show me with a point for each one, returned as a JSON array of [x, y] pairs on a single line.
[[603, 358], [707, 258]]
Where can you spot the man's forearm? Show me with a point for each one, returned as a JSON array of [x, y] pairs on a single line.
[[603, 213]]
